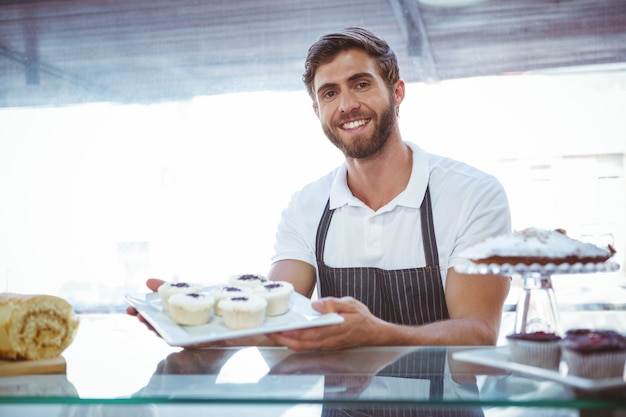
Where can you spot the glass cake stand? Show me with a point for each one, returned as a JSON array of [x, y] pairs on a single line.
[[536, 307]]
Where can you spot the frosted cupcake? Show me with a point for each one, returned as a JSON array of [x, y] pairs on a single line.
[[168, 289], [277, 294], [191, 309], [538, 349], [226, 291], [247, 280], [595, 354], [243, 311]]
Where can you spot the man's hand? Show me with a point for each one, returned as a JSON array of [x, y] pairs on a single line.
[[360, 328], [153, 284]]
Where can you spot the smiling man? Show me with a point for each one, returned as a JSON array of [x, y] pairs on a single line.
[[340, 104], [379, 237]]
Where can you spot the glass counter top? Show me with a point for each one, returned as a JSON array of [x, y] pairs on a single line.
[[116, 364]]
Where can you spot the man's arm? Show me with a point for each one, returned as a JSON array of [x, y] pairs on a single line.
[[479, 298], [475, 306], [474, 303], [300, 274]]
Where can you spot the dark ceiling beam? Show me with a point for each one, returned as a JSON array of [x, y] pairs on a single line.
[[409, 19], [31, 56], [34, 67]]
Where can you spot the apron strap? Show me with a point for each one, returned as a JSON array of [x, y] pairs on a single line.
[[428, 231], [322, 231]]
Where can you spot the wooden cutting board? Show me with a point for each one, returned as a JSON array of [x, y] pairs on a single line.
[[43, 366]]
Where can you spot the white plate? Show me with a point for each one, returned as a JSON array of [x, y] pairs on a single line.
[[499, 357], [300, 315]]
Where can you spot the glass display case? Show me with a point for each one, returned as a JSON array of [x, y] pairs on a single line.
[[116, 367]]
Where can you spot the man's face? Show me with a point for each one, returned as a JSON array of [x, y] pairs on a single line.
[[354, 105]]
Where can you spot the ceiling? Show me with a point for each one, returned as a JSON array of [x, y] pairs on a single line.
[[59, 52]]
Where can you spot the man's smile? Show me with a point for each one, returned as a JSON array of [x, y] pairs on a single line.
[[354, 124]]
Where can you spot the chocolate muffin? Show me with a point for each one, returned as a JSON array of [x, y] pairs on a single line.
[[595, 354], [535, 349]]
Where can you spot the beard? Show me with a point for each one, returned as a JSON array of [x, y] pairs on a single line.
[[363, 146]]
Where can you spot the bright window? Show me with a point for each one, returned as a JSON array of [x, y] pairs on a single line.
[[96, 198]]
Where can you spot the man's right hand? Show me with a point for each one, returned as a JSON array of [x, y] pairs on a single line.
[[153, 284]]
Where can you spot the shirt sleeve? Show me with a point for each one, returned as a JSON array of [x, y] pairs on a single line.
[[488, 214], [295, 235], [291, 242]]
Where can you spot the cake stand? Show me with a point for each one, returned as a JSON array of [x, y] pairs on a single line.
[[536, 307]]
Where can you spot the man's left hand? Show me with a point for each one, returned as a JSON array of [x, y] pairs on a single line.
[[360, 328]]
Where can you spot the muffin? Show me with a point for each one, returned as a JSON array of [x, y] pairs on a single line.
[[191, 309], [168, 289], [226, 291], [247, 280], [243, 311], [277, 294], [595, 354], [538, 349]]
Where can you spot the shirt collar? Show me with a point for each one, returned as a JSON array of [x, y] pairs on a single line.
[[340, 194], [412, 196]]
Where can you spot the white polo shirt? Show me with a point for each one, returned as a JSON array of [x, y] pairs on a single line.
[[468, 205]]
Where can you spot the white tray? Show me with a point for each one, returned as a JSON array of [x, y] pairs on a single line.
[[299, 316], [498, 357]]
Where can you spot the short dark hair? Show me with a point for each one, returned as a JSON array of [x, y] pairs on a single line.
[[328, 46]]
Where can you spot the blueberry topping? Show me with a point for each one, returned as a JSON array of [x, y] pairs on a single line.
[[250, 277]]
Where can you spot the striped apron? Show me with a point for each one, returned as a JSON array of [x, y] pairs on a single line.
[[411, 296]]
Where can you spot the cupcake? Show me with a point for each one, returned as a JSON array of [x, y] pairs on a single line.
[[191, 309], [538, 349], [277, 294], [168, 289], [247, 280], [243, 311], [226, 291], [595, 354]]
